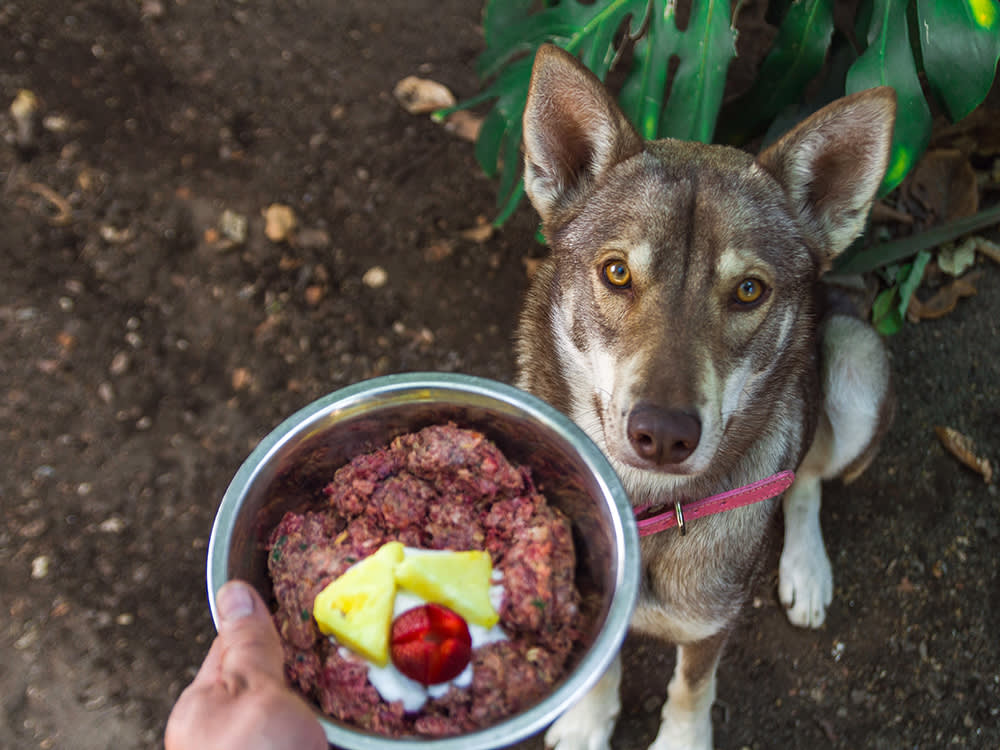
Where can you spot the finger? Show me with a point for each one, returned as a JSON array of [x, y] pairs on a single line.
[[248, 644]]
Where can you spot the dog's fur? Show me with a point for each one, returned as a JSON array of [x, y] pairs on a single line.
[[681, 321]]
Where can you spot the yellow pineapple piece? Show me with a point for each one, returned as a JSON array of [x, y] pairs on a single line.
[[356, 608], [458, 580]]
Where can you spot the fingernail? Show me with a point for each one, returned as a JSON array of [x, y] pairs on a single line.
[[234, 602]]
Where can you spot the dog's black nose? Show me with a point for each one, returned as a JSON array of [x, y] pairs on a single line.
[[663, 436]]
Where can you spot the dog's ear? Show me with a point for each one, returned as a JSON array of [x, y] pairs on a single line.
[[573, 130], [831, 165]]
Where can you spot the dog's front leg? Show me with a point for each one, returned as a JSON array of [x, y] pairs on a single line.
[[687, 714], [588, 725], [805, 577]]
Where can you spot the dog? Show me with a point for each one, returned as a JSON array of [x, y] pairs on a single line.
[[681, 320]]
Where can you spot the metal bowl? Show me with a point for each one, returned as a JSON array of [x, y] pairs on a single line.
[[306, 449]]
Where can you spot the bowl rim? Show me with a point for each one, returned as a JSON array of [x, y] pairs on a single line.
[[626, 543]]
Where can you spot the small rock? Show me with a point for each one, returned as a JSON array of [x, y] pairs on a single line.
[[24, 109], [375, 277], [113, 525], [313, 239], [106, 392], [279, 222], [40, 567], [119, 363], [314, 294], [241, 378], [233, 226]]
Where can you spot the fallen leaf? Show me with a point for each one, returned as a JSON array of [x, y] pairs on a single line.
[[962, 448], [465, 124], [943, 301], [985, 247], [439, 250], [241, 378], [944, 184], [955, 261], [421, 96], [279, 222], [479, 233]]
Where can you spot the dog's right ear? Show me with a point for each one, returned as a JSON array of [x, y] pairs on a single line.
[[573, 130]]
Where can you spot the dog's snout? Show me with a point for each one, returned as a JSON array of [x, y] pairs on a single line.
[[663, 436]]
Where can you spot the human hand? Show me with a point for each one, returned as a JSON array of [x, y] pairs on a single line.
[[239, 698]]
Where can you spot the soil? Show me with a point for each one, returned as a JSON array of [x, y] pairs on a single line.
[[144, 355]]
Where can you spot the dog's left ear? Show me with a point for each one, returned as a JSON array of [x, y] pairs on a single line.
[[831, 165]]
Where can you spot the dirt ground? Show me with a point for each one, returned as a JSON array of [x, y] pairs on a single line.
[[143, 356]]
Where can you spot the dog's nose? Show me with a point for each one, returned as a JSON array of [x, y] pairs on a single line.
[[663, 436]]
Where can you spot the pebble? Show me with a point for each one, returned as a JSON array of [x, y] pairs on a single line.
[[375, 277], [279, 222], [234, 226], [40, 567], [119, 363]]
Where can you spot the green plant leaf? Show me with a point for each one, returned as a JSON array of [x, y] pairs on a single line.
[[888, 61], [960, 41], [885, 313], [703, 51], [795, 59], [709, 45], [886, 253], [889, 308]]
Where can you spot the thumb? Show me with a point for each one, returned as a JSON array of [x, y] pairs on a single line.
[[249, 642]]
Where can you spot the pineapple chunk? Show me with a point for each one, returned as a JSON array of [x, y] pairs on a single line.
[[357, 607], [458, 580]]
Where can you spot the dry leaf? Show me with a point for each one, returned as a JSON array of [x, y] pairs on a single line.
[[985, 247], [955, 261], [479, 233], [464, 124], [421, 96], [944, 184], [279, 222], [943, 301], [962, 448], [439, 250]]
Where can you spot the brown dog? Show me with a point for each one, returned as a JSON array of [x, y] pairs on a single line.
[[681, 321]]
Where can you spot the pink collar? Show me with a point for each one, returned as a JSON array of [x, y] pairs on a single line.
[[765, 489]]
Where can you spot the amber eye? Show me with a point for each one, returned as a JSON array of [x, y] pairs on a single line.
[[617, 274], [750, 291]]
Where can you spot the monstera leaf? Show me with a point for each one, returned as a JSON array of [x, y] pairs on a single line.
[[676, 81], [595, 32]]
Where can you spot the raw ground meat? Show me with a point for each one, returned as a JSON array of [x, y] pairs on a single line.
[[441, 488]]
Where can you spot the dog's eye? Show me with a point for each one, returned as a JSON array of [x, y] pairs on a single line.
[[617, 274], [750, 291]]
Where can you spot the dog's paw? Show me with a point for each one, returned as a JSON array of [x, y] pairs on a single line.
[[692, 732], [588, 725], [805, 582], [576, 730]]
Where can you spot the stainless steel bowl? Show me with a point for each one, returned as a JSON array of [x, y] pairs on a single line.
[[305, 450]]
